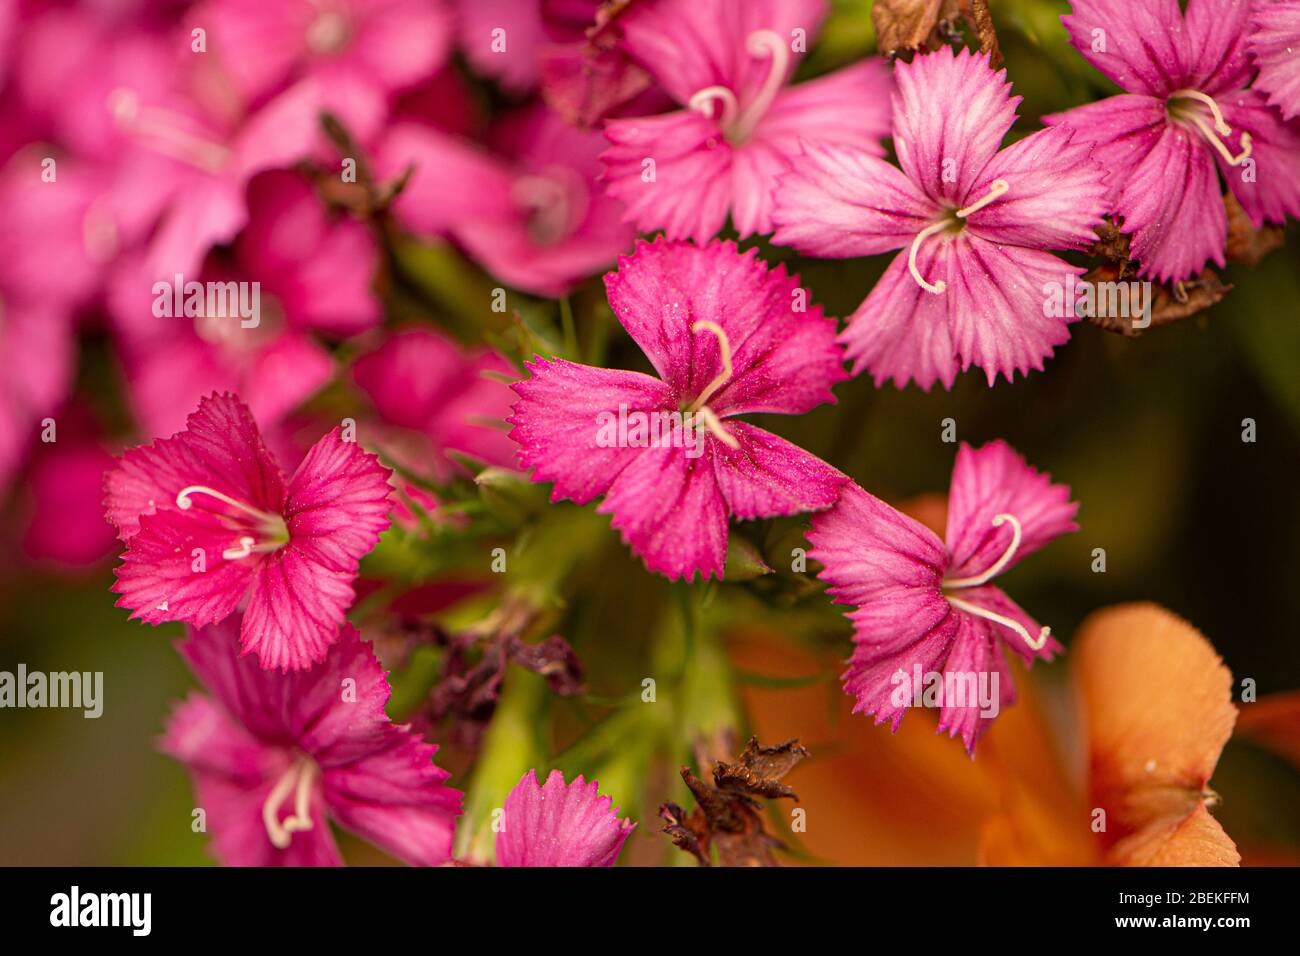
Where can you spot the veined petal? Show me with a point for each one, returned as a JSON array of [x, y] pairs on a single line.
[[671, 172], [842, 202], [558, 423], [1215, 35], [996, 299], [992, 480], [559, 824], [670, 512], [1172, 207], [1122, 129], [1268, 184], [1056, 195], [1141, 46], [1275, 45], [220, 447], [950, 115], [768, 476], [973, 664]]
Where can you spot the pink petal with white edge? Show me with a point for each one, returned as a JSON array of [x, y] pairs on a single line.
[[220, 447], [671, 513], [901, 331], [1055, 198], [559, 824], [841, 202], [558, 423], [997, 298], [992, 480], [950, 113], [1275, 45], [768, 476], [687, 192]]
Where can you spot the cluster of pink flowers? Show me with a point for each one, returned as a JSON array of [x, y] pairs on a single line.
[[191, 149]]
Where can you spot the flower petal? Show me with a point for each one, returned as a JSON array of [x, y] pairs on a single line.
[[558, 824], [842, 202], [1141, 46], [1274, 43], [1268, 184], [768, 476], [992, 480], [950, 114], [558, 423]]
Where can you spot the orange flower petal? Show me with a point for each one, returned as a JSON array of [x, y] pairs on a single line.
[[1157, 701], [1273, 722]]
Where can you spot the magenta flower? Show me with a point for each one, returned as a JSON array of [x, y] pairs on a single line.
[[1187, 110], [923, 606], [275, 756], [538, 220], [359, 52], [431, 397], [559, 824], [729, 62], [728, 337], [210, 523], [1274, 45], [975, 222]]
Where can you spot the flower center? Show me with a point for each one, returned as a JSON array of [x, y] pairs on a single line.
[[166, 132], [269, 532], [299, 780], [555, 202], [1179, 109], [996, 189], [737, 124], [711, 420], [957, 584]]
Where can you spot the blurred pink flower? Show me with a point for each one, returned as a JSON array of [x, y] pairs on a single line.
[[923, 606], [65, 517], [502, 39], [727, 337], [360, 53], [210, 524], [559, 824], [729, 63], [275, 756], [433, 397], [537, 220], [976, 222]]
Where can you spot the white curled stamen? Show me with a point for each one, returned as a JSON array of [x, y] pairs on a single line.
[[1221, 127], [996, 189], [698, 407], [974, 581], [184, 503], [299, 778]]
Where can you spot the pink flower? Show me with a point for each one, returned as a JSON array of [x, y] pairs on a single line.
[[502, 39], [975, 221], [537, 221], [1187, 110], [275, 756], [1274, 45], [727, 337], [64, 521], [359, 52], [421, 382], [923, 606], [319, 268], [559, 824], [729, 62], [209, 521]]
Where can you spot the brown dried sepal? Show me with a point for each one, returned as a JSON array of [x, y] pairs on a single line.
[[729, 812], [1246, 243], [1169, 303], [907, 26]]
